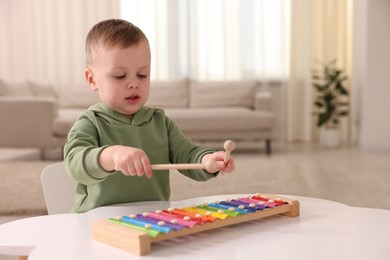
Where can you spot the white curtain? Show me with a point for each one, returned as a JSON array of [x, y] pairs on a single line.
[[214, 40], [43, 40]]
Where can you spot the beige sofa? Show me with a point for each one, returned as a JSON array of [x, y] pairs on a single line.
[[39, 116]]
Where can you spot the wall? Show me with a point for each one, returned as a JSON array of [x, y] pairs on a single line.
[[372, 71]]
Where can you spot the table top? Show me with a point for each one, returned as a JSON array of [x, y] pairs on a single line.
[[324, 230]]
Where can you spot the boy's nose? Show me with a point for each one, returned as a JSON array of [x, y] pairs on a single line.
[[132, 86]]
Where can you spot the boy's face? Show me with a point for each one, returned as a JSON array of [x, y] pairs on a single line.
[[121, 76]]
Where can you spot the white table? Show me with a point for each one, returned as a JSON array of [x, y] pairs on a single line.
[[325, 230]]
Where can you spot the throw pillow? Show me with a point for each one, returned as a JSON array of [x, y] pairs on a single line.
[[222, 94]]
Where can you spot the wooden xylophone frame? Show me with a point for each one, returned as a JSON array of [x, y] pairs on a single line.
[[139, 242]]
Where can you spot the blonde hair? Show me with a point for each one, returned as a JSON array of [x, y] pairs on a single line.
[[112, 33]]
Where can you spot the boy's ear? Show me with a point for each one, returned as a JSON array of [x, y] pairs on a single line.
[[90, 79]]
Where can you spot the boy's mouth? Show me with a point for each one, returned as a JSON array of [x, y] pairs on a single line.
[[133, 98]]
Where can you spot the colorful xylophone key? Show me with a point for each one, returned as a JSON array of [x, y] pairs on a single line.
[[189, 215], [277, 201]]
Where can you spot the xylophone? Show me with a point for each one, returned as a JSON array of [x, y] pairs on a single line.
[[136, 233]]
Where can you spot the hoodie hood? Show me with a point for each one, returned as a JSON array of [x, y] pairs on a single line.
[[141, 117]]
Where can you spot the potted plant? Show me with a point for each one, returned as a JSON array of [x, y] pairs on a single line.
[[330, 101]]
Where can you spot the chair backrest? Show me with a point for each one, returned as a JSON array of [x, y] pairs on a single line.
[[58, 189], [20, 251]]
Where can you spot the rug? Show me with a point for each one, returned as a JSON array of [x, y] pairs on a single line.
[[20, 188]]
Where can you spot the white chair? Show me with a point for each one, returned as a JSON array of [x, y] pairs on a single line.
[[58, 189], [20, 251]]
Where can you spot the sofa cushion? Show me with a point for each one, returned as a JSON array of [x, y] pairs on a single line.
[[41, 89], [222, 94], [64, 121], [224, 119], [76, 95], [15, 87], [168, 94]]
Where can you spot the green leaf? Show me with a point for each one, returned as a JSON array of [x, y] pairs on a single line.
[[340, 88], [329, 97], [343, 104], [343, 113], [319, 87], [318, 104], [323, 118]]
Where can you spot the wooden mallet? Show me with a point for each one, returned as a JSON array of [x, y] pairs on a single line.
[[229, 146], [211, 166]]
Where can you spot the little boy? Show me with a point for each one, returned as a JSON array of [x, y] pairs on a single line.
[[112, 145]]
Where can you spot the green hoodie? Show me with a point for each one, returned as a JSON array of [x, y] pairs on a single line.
[[149, 130]]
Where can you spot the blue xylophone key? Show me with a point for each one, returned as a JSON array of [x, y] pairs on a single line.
[[241, 205], [142, 223], [220, 205], [236, 206], [250, 206]]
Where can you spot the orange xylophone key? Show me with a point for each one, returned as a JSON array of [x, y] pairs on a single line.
[[201, 219], [172, 219], [169, 213]]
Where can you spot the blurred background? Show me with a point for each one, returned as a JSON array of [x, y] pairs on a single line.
[[277, 43]]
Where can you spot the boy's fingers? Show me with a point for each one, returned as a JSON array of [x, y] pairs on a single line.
[[228, 167], [131, 171], [139, 168], [148, 170], [147, 167], [148, 174]]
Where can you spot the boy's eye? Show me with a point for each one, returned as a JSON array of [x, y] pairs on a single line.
[[142, 76], [120, 76]]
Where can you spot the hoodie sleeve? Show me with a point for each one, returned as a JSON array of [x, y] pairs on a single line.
[[81, 153], [183, 150]]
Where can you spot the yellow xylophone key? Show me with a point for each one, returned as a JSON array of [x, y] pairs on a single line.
[[206, 212], [219, 210]]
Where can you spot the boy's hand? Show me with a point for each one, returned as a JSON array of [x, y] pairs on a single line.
[[218, 157], [129, 160]]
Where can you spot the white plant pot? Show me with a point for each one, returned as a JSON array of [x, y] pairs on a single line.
[[330, 137]]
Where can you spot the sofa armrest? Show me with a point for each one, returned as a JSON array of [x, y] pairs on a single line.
[[263, 101], [27, 121]]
